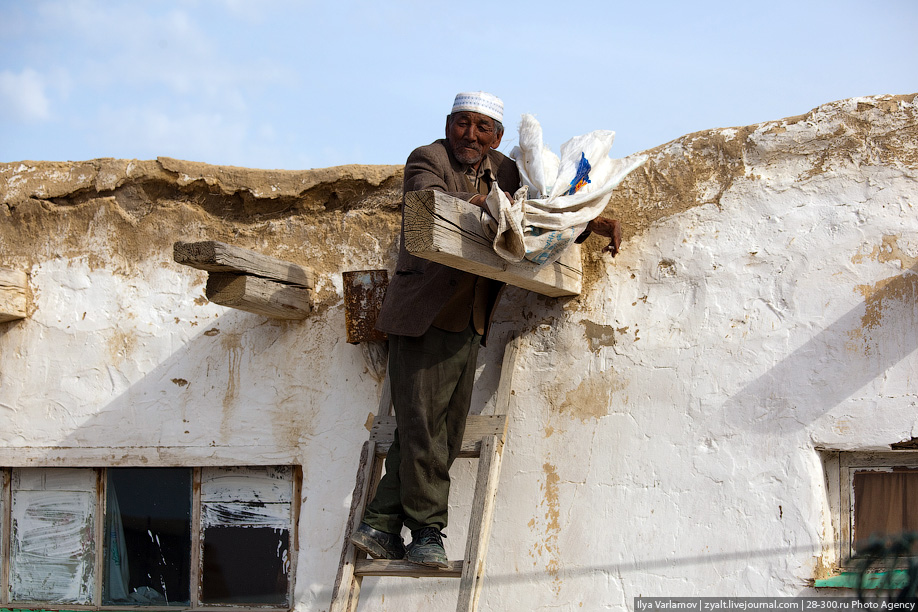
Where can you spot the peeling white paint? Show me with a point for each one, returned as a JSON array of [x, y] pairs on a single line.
[[268, 484], [246, 497], [241, 514]]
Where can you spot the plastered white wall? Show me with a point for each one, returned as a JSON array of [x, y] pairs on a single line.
[[665, 425]]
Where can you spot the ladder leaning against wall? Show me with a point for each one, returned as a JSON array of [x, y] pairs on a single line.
[[484, 439]]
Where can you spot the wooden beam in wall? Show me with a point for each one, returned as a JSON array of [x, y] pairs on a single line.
[[216, 256], [258, 295], [246, 280], [447, 230], [13, 291]]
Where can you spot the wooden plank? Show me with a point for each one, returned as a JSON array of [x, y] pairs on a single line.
[[197, 531], [346, 592], [294, 535], [385, 396], [258, 295], [476, 544], [406, 569], [447, 230], [477, 427], [505, 393], [6, 526], [216, 256], [485, 497], [13, 295], [385, 409]]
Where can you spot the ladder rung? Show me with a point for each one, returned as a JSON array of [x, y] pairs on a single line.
[[477, 427], [468, 451], [407, 569]]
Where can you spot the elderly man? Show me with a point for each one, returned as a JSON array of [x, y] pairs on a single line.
[[436, 318]]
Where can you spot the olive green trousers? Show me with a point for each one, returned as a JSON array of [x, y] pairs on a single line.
[[431, 380]]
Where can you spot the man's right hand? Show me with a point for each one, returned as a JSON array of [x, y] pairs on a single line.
[[479, 200]]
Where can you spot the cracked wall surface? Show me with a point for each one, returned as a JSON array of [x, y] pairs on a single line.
[[664, 433]]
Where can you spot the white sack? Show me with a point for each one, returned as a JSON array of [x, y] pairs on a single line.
[[502, 222], [541, 222]]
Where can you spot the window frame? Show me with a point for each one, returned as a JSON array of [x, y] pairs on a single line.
[[840, 468], [6, 530], [196, 535]]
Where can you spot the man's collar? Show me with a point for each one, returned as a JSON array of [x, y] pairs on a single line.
[[484, 168]]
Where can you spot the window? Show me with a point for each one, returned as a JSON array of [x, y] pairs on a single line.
[[148, 537], [872, 494], [147, 558], [885, 503]]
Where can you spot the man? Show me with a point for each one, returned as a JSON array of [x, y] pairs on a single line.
[[436, 318]]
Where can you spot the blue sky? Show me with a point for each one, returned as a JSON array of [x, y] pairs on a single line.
[[304, 84]]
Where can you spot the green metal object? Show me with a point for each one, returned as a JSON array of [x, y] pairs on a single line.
[[896, 579]]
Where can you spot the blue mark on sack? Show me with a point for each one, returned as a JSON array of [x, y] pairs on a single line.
[[582, 177]]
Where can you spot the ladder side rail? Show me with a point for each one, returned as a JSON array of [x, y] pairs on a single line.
[[346, 592], [347, 584], [506, 397], [480, 518], [485, 497]]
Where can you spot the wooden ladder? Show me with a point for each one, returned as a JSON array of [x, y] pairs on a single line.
[[484, 439]]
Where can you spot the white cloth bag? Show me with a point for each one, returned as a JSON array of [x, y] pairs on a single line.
[[559, 196]]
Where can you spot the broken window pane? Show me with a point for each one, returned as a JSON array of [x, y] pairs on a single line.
[[52, 551], [147, 537], [246, 526]]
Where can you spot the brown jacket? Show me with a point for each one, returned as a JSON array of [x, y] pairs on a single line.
[[420, 288]]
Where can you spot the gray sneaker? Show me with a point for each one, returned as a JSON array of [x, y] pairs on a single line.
[[426, 548], [378, 544]]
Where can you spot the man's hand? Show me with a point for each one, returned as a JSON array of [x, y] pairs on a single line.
[[479, 200], [610, 228]]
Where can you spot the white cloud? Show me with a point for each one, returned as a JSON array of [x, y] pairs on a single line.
[[23, 96]]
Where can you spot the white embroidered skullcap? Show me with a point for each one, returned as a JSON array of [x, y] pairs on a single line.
[[480, 102]]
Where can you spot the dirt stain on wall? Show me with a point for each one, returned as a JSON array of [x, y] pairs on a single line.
[[895, 296], [551, 522], [232, 346], [592, 398], [888, 250], [598, 335], [898, 292], [120, 346]]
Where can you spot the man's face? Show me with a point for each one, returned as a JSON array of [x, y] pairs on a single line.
[[470, 136]]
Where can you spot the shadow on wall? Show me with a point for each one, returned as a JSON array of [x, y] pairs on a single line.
[[241, 382], [201, 401], [844, 357], [5, 327]]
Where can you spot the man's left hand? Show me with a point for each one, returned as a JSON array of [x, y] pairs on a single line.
[[610, 228]]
